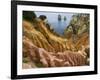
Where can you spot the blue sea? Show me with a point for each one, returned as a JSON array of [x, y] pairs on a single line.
[[52, 18]]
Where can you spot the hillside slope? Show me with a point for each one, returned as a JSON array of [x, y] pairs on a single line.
[[42, 48]]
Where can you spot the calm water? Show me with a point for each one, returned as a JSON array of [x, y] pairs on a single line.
[[52, 18]]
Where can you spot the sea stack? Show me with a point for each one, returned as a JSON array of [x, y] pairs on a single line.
[[59, 17]]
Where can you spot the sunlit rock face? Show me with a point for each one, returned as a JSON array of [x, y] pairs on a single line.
[[41, 48], [50, 59]]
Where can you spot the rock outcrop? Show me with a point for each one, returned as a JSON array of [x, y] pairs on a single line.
[[42, 48], [51, 59]]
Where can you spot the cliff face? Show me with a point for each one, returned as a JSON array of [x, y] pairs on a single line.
[[43, 38], [78, 30], [42, 48], [51, 59], [78, 25]]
